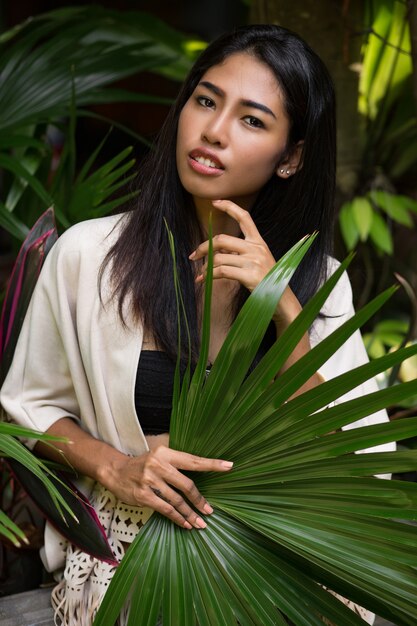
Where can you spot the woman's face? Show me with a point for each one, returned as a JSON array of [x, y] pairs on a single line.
[[232, 132]]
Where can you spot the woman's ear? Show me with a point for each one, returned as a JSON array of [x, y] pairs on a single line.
[[292, 161]]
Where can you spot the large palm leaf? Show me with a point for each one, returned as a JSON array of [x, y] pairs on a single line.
[[85, 47], [297, 509]]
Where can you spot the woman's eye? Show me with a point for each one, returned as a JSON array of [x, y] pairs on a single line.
[[254, 121], [205, 102]]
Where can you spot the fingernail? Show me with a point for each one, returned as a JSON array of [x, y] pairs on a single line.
[[200, 523], [227, 464], [187, 525], [207, 508], [216, 201], [192, 255]]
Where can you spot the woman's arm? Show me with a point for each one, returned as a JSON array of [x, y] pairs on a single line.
[[152, 479]]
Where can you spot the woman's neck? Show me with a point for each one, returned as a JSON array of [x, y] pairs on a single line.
[[221, 222]]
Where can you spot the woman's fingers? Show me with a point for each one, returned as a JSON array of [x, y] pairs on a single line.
[[173, 494], [227, 243], [170, 503], [243, 217], [245, 260], [193, 463]]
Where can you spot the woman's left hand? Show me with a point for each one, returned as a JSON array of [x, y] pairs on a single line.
[[246, 260]]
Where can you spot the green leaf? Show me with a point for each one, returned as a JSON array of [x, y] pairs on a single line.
[[348, 227], [407, 203], [363, 215], [92, 46], [381, 235], [12, 224], [19, 170], [11, 531], [31, 162], [392, 206]]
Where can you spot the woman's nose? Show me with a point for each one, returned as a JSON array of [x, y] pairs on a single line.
[[216, 132]]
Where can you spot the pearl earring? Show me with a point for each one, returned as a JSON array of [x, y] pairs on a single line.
[[281, 171], [288, 172]]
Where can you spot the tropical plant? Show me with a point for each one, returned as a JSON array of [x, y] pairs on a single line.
[[374, 220], [369, 218], [51, 68], [385, 91], [24, 276], [48, 484], [11, 448], [298, 508], [389, 135]]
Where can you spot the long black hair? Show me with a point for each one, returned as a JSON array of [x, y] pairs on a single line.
[[284, 211]]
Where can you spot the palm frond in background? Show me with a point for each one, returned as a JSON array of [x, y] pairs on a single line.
[[52, 67]]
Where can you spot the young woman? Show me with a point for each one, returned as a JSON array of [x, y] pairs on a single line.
[[250, 139]]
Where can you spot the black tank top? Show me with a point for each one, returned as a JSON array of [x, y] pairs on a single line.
[[155, 382]]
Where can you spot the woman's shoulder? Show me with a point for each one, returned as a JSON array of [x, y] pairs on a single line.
[[92, 236], [80, 251]]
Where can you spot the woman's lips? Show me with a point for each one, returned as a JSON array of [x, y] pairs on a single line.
[[204, 162]]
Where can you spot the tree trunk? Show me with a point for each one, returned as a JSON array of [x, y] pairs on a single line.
[[332, 31]]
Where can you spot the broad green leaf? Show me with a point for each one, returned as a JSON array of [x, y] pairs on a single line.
[[381, 235], [363, 215], [392, 206], [407, 203], [348, 227]]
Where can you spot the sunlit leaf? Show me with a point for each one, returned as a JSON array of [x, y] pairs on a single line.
[[348, 227], [363, 215]]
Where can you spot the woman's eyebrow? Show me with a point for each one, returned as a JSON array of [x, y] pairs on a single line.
[[248, 103]]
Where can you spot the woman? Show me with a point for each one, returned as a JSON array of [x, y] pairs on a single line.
[[250, 139]]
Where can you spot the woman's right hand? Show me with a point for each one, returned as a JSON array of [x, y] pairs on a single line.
[[153, 479]]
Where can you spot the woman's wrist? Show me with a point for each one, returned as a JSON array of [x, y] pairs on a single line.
[[107, 471]]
